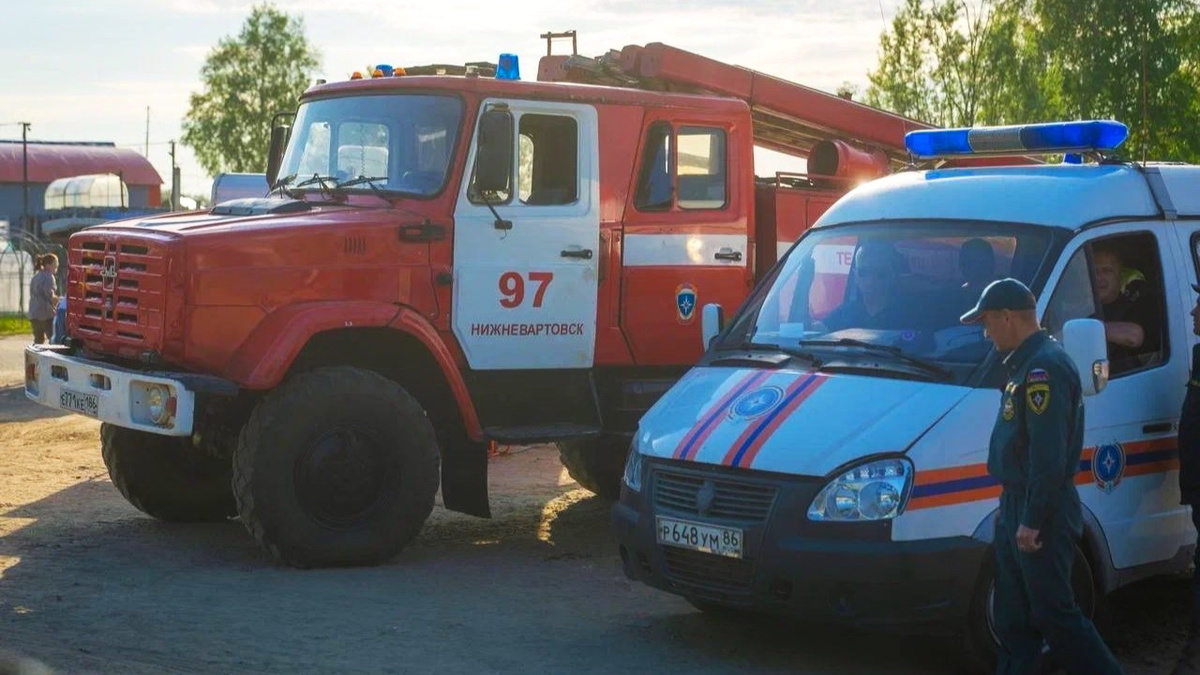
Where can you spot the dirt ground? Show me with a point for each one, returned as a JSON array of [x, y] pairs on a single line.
[[88, 584]]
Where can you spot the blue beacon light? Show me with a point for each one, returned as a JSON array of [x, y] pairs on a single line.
[[1055, 137], [508, 67]]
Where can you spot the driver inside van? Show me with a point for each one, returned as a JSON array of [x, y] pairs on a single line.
[[1129, 315], [874, 306]]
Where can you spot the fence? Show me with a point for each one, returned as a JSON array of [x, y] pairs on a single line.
[[17, 253]]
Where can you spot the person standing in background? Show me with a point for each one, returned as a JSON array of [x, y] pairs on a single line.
[[1189, 490], [43, 297]]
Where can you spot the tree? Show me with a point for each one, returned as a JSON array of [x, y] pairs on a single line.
[[1022, 61], [246, 81]]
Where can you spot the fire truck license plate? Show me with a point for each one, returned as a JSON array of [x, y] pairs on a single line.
[[724, 541], [88, 404]]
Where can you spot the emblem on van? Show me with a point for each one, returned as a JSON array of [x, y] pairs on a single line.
[[1108, 466], [685, 303], [757, 402], [705, 497], [108, 273]]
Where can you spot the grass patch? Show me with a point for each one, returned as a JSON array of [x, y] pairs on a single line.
[[14, 324]]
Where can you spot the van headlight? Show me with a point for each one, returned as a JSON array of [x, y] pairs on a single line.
[[633, 468], [872, 491]]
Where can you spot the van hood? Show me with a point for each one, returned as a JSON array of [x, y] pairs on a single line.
[[790, 421]]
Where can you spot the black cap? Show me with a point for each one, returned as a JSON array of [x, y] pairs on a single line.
[[1002, 294]]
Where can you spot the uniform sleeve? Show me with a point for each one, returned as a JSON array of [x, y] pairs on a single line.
[[1050, 398]]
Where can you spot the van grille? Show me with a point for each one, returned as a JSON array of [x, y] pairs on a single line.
[[704, 571], [745, 502], [117, 292]]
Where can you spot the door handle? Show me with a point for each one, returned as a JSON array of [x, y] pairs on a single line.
[[728, 254], [1157, 428], [581, 253]]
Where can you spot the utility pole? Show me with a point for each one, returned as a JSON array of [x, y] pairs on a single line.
[[25, 175], [174, 180], [146, 153]]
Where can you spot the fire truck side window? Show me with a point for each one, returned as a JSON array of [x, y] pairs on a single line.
[[654, 182], [701, 166], [547, 160]]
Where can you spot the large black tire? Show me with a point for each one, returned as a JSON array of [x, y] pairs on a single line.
[[338, 466], [165, 477], [596, 463], [981, 647]]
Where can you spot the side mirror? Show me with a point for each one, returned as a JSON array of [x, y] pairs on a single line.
[[279, 139], [1086, 345], [712, 320], [494, 155]]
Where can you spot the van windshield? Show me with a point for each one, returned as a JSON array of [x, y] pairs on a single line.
[[400, 142], [889, 292]]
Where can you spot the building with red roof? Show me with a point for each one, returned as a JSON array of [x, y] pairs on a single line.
[[51, 160]]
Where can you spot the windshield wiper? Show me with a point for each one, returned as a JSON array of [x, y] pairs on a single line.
[[731, 356], [894, 352], [281, 186], [324, 183], [369, 180]]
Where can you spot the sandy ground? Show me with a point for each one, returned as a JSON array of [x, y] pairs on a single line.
[[89, 584]]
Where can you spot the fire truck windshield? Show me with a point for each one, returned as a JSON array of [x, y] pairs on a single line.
[[895, 288], [399, 143]]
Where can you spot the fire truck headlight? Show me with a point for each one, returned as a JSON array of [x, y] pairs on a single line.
[[634, 467], [876, 490], [160, 404]]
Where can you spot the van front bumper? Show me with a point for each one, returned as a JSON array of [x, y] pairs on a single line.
[[838, 573]]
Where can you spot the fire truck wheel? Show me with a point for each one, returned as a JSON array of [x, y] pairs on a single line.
[[981, 648], [337, 466], [165, 477], [596, 463]]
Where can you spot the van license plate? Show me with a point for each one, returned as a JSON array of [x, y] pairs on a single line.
[[723, 541], [88, 404]]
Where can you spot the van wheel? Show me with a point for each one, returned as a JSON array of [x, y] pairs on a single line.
[[165, 477], [982, 646], [596, 463], [338, 466]]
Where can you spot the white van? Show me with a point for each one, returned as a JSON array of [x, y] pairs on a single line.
[[828, 462]]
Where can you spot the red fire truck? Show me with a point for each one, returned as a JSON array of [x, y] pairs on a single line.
[[444, 261]]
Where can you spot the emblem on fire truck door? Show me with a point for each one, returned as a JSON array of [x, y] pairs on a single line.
[[685, 303], [108, 273], [1108, 466]]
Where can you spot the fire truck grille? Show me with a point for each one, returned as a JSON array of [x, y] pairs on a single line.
[[746, 502], [117, 293], [704, 571]]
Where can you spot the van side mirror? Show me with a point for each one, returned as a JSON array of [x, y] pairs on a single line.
[[712, 320], [1084, 341], [494, 155], [279, 139]]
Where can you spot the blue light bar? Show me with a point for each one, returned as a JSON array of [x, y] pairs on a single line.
[[1021, 139], [507, 68]]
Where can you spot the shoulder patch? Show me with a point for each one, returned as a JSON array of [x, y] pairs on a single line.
[[1037, 375], [1038, 397]]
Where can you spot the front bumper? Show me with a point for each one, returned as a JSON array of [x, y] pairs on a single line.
[[112, 394], [845, 573]]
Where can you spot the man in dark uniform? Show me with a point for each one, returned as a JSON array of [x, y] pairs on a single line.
[[1189, 490], [1036, 443]]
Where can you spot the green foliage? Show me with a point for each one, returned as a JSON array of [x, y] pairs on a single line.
[[1021, 61], [246, 81], [14, 324]]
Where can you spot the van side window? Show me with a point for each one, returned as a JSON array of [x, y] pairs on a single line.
[[1073, 298], [547, 160], [654, 183], [1117, 280]]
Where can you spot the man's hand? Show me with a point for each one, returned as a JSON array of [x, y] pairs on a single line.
[[1124, 333], [1027, 540]]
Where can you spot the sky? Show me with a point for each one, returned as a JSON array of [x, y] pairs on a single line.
[[89, 70]]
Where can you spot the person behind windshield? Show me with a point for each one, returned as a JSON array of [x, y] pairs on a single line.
[[977, 265], [1128, 313], [874, 306]]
